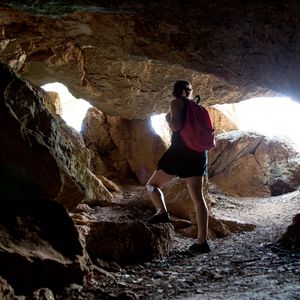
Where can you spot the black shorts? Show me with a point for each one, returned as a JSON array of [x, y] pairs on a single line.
[[183, 162]]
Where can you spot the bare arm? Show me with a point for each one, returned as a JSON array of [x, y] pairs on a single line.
[[174, 115]]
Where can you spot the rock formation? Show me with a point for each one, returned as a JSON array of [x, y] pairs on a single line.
[[6, 291], [248, 164], [290, 240], [220, 121], [121, 147], [129, 242], [52, 102], [125, 61], [50, 154], [39, 244], [124, 57], [43, 160]]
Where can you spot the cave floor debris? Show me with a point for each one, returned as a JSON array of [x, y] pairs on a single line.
[[241, 266]]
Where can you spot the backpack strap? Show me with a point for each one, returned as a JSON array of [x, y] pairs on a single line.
[[197, 99]]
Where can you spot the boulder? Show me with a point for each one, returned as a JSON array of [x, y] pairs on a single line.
[[218, 227], [79, 168], [129, 242], [40, 146], [95, 131], [178, 200], [106, 159], [117, 143], [290, 240], [249, 164], [221, 121], [139, 143], [39, 245]]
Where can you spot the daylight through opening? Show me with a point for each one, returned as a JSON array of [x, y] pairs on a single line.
[[270, 116], [73, 109], [160, 127]]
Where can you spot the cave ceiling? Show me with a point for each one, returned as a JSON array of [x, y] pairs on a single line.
[[124, 56]]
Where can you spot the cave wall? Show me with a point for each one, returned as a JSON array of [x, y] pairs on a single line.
[[41, 149], [124, 57]]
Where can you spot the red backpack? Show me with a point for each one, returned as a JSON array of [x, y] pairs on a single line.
[[197, 132]]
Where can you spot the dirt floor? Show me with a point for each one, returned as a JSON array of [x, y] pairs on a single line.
[[241, 266]]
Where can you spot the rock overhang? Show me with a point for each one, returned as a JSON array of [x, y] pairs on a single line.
[[124, 57]]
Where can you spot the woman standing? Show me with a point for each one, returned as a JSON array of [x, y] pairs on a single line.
[[180, 161]]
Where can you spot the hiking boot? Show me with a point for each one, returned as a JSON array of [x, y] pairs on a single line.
[[159, 218], [200, 248]]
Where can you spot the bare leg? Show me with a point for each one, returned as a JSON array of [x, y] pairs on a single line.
[[195, 188], [158, 180]]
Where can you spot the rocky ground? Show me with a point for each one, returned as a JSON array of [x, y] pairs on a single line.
[[241, 266]]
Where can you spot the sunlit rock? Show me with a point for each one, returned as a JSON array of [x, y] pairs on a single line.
[[249, 164], [178, 200], [95, 131], [116, 142], [220, 121], [52, 102], [106, 159], [280, 162], [141, 146], [129, 241], [111, 186]]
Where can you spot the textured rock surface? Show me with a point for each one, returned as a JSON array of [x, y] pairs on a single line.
[[218, 227], [43, 294], [248, 164], [52, 102], [177, 199], [125, 62], [39, 245], [290, 240], [6, 291], [121, 147], [78, 164], [221, 123], [106, 159], [141, 146], [41, 147], [129, 241]]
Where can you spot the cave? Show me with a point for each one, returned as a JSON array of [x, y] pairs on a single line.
[[74, 203]]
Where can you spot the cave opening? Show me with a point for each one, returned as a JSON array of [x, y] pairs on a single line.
[[73, 109], [269, 116], [160, 127]]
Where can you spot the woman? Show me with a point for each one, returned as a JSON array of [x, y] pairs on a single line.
[[179, 161]]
